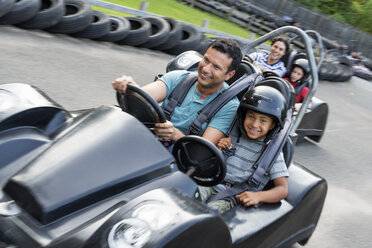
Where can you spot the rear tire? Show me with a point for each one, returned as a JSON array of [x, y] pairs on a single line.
[[119, 29], [98, 28], [174, 37], [6, 6], [160, 29], [78, 15], [139, 33], [190, 40], [21, 11], [49, 14]]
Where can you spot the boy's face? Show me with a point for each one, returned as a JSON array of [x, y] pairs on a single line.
[[297, 74], [257, 125]]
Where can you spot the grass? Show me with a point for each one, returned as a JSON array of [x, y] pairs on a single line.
[[182, 12]]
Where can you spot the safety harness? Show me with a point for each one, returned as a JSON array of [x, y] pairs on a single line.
[[262, 166], [177, 96]]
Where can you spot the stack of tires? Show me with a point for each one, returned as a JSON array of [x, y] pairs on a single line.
[[76, 18]]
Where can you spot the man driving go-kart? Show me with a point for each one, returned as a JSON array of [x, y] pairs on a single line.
[[217, 66]]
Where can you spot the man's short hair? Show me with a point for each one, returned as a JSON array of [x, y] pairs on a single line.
[[231, 48], [282, 39]]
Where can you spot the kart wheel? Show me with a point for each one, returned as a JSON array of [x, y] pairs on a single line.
[[98, 28], [50, 12], [160, 29], [78, 15], [119, 29], [174, 37], [190, 40], [21, 11], [6, 6], [139, 32]]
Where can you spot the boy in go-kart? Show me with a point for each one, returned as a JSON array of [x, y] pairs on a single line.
[[261, 114], [217, 66]]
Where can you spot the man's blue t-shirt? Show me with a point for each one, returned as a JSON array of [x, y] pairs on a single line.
[[185, 114]]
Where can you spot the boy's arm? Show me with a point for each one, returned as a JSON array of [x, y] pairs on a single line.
[[275, 194]]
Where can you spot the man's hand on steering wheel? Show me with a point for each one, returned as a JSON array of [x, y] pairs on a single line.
[[167, 131], [120, 84]]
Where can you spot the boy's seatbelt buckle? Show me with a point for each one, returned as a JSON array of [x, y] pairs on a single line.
[[253, 183]]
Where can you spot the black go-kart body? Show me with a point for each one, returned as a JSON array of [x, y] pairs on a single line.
[[101, 178]]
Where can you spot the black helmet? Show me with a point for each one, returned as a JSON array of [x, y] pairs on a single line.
[[304, 65], [265, 100]]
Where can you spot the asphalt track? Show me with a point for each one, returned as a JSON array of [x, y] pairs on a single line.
[[77, 73]]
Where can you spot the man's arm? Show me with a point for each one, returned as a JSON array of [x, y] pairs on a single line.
[[156, 90], [168, 132], [213, 135]]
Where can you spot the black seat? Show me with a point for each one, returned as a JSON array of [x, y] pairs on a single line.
[[244, 67], [283, 86]]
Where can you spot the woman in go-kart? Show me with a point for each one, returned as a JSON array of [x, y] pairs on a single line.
[[272, 62]]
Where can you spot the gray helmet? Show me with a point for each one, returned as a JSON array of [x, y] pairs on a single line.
[[265, 100], [304, 65]]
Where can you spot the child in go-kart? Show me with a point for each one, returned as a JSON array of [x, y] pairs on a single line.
[[261, 113], [298, 75]]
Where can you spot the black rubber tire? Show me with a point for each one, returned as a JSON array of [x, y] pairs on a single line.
[[78, 15], [160, 30], [21, 11], [204, 44], [190, 40], [49, 14], [99, 27], [175, 35], [139, 32], [6, 6], [119, 29]]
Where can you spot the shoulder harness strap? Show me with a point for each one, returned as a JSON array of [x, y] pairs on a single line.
[[179, 93], [244, 83]]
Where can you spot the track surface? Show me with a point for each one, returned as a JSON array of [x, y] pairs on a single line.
[[77, 74]]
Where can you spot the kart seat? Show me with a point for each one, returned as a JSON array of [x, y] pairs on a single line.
[[283, 86], [244, 67]]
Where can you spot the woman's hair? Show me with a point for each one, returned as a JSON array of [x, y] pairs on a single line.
[[281, 39]]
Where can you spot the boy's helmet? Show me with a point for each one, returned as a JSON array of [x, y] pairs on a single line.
[[304, 65], [265, 100]]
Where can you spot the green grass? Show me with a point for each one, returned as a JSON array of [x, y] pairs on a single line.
[[182, 12]]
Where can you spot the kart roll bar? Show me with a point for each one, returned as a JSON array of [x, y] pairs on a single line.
[[313, 84], [319, 42]]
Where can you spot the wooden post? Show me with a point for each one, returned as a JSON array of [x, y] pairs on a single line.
[[205, 23], [144, 5]]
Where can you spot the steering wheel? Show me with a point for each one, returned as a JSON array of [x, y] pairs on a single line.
[[141, 105], [266, 74], [199, 159]]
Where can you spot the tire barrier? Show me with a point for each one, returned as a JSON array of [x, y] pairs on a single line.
[[76, 18]]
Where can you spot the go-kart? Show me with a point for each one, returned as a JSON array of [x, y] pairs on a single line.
[[100, 178]]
